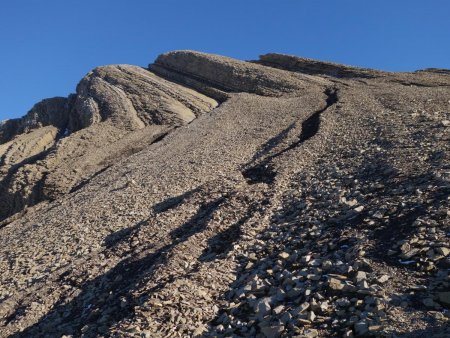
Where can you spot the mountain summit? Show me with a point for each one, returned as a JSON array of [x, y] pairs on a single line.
[[205, 196]]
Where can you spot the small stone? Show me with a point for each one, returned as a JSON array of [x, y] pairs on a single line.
[[360, 276], [146, 334], [262, 307], [199, 331], [326, 265], [278, 309], [324, 306], [315, 262], [348, 334], [383, 279], [351, 203], [443, 251], [272, 331], [438, 315], [343, 302], [445, 123], [375, 328], [310, 333], [405, 247], [285, 318], [378, 215], [428, 302], [313, 276], [363, 285], [311, 316], [335, 284], [304, 306], [284, 255], [444, 298], [359, 209], [361, 328]]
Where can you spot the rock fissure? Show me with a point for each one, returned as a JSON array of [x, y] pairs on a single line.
[[264, 171]]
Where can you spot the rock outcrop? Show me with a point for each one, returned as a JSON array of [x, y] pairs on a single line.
[[312, 202], [110, 102], [316, 67], [227, 75], [131, 97], [48, 112]]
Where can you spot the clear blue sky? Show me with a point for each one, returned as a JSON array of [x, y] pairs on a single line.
[[47, 46]]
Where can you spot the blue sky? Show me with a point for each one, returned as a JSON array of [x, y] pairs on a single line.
[[47, 46]]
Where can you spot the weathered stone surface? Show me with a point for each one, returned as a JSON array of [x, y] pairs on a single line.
[[111, 103], [231, 75], [49, 112], [131, 97]]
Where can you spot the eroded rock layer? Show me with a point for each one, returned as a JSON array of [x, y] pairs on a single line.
[[87, 132]]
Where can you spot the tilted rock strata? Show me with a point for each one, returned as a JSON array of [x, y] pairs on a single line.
[[230, 75], [110, 102], [132, 97], [421, 78], [48, 112]]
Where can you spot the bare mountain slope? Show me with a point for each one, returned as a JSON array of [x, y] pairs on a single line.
[[313, 201]]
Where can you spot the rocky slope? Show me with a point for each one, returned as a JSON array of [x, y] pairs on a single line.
[[211, 197]]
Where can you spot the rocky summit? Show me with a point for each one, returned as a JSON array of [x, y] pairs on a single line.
[[204, 196]]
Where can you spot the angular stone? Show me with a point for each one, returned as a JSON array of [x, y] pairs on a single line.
[[428, 302], [310, 333], [444, 298], [361, 328], [383, 279], [262, 307], [443, 251], [360, 276], [311, 316], [336, 284], [274, 331]]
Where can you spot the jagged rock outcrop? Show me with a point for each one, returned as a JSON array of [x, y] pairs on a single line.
[[48, 112], [312, 202], [110, 102]]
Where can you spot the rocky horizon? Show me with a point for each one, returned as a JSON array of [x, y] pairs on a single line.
[[205, 196]]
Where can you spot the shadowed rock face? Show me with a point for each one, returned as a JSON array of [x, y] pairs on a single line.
[[313, 201], [315, 67]]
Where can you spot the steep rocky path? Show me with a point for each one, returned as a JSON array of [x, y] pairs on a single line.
[[303, 205]]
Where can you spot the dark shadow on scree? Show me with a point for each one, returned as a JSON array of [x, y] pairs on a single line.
[[382, 185], [108, 299], [263, 170]]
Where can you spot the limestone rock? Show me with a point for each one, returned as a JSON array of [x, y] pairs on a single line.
[[230, 75], [131, 97]]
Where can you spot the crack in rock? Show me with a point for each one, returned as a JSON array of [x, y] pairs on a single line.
[[264, 172]]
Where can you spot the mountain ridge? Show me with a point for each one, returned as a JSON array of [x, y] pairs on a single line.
[[206, 196]]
